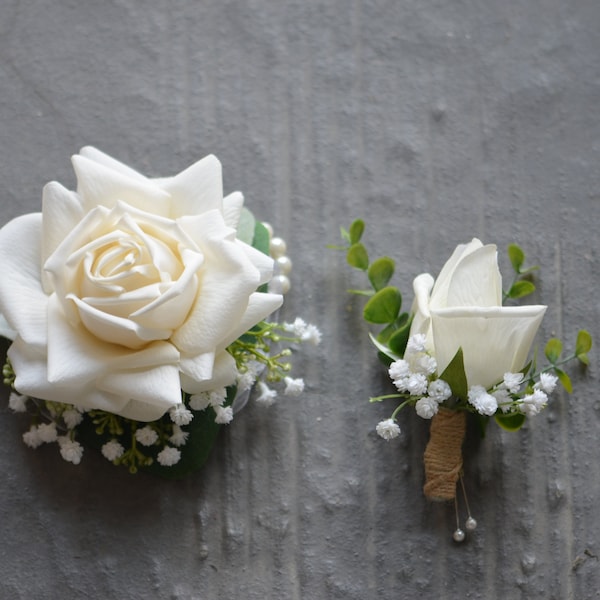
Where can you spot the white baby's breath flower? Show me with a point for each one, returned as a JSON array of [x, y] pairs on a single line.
[[47, 432], [505, 402], [298, 327], [399, 369], [416, 343], [427, 407], [547, 383], [200, 401], [533, 403], [146, 436], [168, 456], [484, 403], [112, 450], [293, 387], [311, 335], [180, 415], [72, 417], [439, 390], [70, 450], [17, 402], [267, 395], [388, 429], [423, 363], [224, 415], [179, 437], [513, 381], [217, 397], [245, 381], [32, 438], [417, 384]]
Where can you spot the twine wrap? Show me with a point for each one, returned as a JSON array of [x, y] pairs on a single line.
[[443, 455]]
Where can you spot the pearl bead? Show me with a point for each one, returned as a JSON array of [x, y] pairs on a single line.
[[459, 535], [283, 265], [470, 524], [277, 247], [268, 227], [280, 284]]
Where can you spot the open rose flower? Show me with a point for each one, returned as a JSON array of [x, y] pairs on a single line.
[[463, 309], [130, 289]]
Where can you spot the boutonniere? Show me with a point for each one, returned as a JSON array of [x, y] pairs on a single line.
[[141, 313], [462, 351]]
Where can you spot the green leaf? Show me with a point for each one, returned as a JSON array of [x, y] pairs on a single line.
[[564, 379], [356, 231], [510, 421], [345, 235], [553, 350], [384, 350], [358, 257], [583, 344], [380, 272], [384, 306], [399, 339], [261, 238], [521, 289], [583, 358], [516, 257], [454, 376]]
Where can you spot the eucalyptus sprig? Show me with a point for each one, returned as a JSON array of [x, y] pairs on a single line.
[[384, 306], [521, 284]]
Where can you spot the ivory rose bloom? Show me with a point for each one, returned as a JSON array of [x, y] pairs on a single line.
[[463, 309], [130, 289]]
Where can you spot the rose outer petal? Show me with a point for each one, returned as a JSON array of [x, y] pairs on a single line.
[[495, 340]]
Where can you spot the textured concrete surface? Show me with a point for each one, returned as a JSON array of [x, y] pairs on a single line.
[[437, 120]]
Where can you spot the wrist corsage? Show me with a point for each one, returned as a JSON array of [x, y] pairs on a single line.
[[462, 351], [141, 314]]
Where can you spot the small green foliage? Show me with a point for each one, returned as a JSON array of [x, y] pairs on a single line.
[[553, 350], [380, 272], [516, 257], [520, 289], [510, 421], [356, 230], [398, 340], [8, 374], [358, 257], [454, 376], [564, 379], [384, 306], [583, 345]]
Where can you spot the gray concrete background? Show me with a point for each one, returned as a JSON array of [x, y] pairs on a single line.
[[437, 120]]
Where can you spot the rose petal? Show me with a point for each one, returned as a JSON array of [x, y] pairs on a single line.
[[62, 210], [99, 185], [196, 190], [22, 299], [476, 280], [155, 390], [260, 260], [495, 340], [422, 286], [232, 209], [223, 373], [108, 161]]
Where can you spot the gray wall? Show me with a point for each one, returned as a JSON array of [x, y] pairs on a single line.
[[439, 121]]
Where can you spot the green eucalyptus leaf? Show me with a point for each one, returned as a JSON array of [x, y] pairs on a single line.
[[521, 288], [516, 256], [261, 238], [454, 376], [564, 379], [345, 234], [583, 358], [380, 272], [510, 421], [384, 306], [358, 257], [356, 231], [584, 343], [383, 349], [399, 339], [553, 350]]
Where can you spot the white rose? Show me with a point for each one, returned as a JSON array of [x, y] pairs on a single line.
[[130, 289], [463, 309]]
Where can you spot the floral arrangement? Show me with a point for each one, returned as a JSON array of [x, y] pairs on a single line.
[[141, 314], [460, 351]]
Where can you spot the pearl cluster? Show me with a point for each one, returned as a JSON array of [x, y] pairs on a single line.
[[280, 284]]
